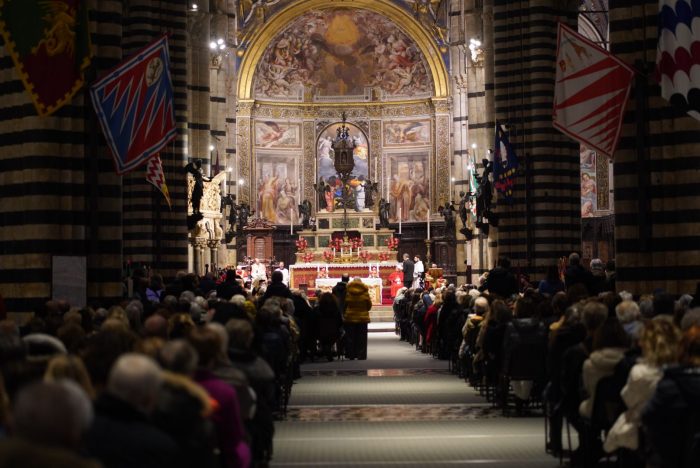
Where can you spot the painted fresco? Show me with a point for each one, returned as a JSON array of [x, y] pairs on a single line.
[[277, 186], [340, 52], [270, 134], [325, 168], [589, 189], [409, 133], [407, 187]]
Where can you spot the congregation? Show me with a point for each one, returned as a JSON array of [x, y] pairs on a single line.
[[196, 372], [192, 373], [622, 372]]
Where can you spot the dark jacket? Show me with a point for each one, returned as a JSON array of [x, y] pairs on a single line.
[[672, 419], [123, 437], [228, 289], [576, 274], [339, 291], [525, 348], [565, 337], [277, 290], [501, 282], [408, 267]]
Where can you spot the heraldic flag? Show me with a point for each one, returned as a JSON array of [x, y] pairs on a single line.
[[505, 164], [49, 43], [678, 54], [134, 104], [156, 176], [591, 92]]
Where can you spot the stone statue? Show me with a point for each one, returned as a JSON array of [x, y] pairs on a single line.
[[305, 213], [243, 213], [484, 194], [463, 200], [384, 213], [371, 188], [195, 169], [448, 213], [320, 190]]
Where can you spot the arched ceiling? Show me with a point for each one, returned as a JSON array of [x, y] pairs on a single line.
[[341, 52], [408, 62]]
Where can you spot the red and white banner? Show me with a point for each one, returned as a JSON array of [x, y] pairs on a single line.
[[591, 91]]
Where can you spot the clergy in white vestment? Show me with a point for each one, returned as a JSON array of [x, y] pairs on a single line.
[[418, 270], [258, 270]]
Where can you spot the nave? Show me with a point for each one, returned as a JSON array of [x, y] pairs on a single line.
[[399, 408]]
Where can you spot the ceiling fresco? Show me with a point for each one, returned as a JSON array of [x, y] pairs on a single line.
[[341, 52]]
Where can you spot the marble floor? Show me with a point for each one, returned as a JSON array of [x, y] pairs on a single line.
[[399, 408]]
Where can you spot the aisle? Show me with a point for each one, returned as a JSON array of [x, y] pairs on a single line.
[[399, 408]]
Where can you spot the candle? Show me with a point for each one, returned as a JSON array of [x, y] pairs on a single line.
[[428, 224], [334, 251], [291, 222], [399, 220]]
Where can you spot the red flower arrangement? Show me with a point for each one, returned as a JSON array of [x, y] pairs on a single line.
[[302, 244], [392, 243], [383, 256], [308, 257], [357, 242], [364, 255], [328, 255], [335, 244]]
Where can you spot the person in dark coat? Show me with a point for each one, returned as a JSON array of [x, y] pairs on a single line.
[[672, 417], [277, 288], [501, 281], [229, 287], [576, 274], [408, 267], [122, 435], [330, 323], [339, 291]]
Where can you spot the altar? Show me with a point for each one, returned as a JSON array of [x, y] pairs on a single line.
[[374, 285]]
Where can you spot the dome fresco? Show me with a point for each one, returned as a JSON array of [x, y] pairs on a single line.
[[341, 52]]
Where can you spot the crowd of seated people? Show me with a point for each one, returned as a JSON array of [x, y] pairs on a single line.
[[619, 374], [187, 374]]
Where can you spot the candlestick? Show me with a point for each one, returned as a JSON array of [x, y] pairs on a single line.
[[428, 224], [399, 220]]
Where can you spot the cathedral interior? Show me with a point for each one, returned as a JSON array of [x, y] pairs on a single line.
[[262, 91]]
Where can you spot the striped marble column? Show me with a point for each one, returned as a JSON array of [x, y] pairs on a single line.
[[657, 197], [543, 222]]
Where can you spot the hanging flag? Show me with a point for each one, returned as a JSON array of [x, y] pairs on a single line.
[[134, 104], [156, 176], [591, 91], [49, 43], [677, 55], [505, 164]]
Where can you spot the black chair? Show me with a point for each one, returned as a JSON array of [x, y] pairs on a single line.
[[607, 407], [526, 360]]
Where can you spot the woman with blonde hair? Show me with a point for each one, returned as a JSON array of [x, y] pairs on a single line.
[[658, 340], [69, 367]]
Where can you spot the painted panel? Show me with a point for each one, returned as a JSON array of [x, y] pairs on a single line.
[[277, 187], [269, 134], [341, 52], [408, 185], [407, 133]]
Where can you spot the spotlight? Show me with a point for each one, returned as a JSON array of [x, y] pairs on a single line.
[[222, 46], [229, 169], [212, 45], [195, 6], [473, 145], [211, 147], [241, 182], [219, 41]]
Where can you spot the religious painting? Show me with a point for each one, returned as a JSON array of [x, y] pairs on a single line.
[[407, 133], [589, 189], [269, 134], [278, 187], [341, 52], [407, 187], [326, 174]]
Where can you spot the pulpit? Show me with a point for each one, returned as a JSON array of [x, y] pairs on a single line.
[[258, 234]]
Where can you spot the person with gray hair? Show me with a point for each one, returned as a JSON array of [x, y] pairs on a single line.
[[628, 314], [122, 434], [49, 421]]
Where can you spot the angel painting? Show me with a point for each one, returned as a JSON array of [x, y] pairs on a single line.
[[269, 134], [407, 133]]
